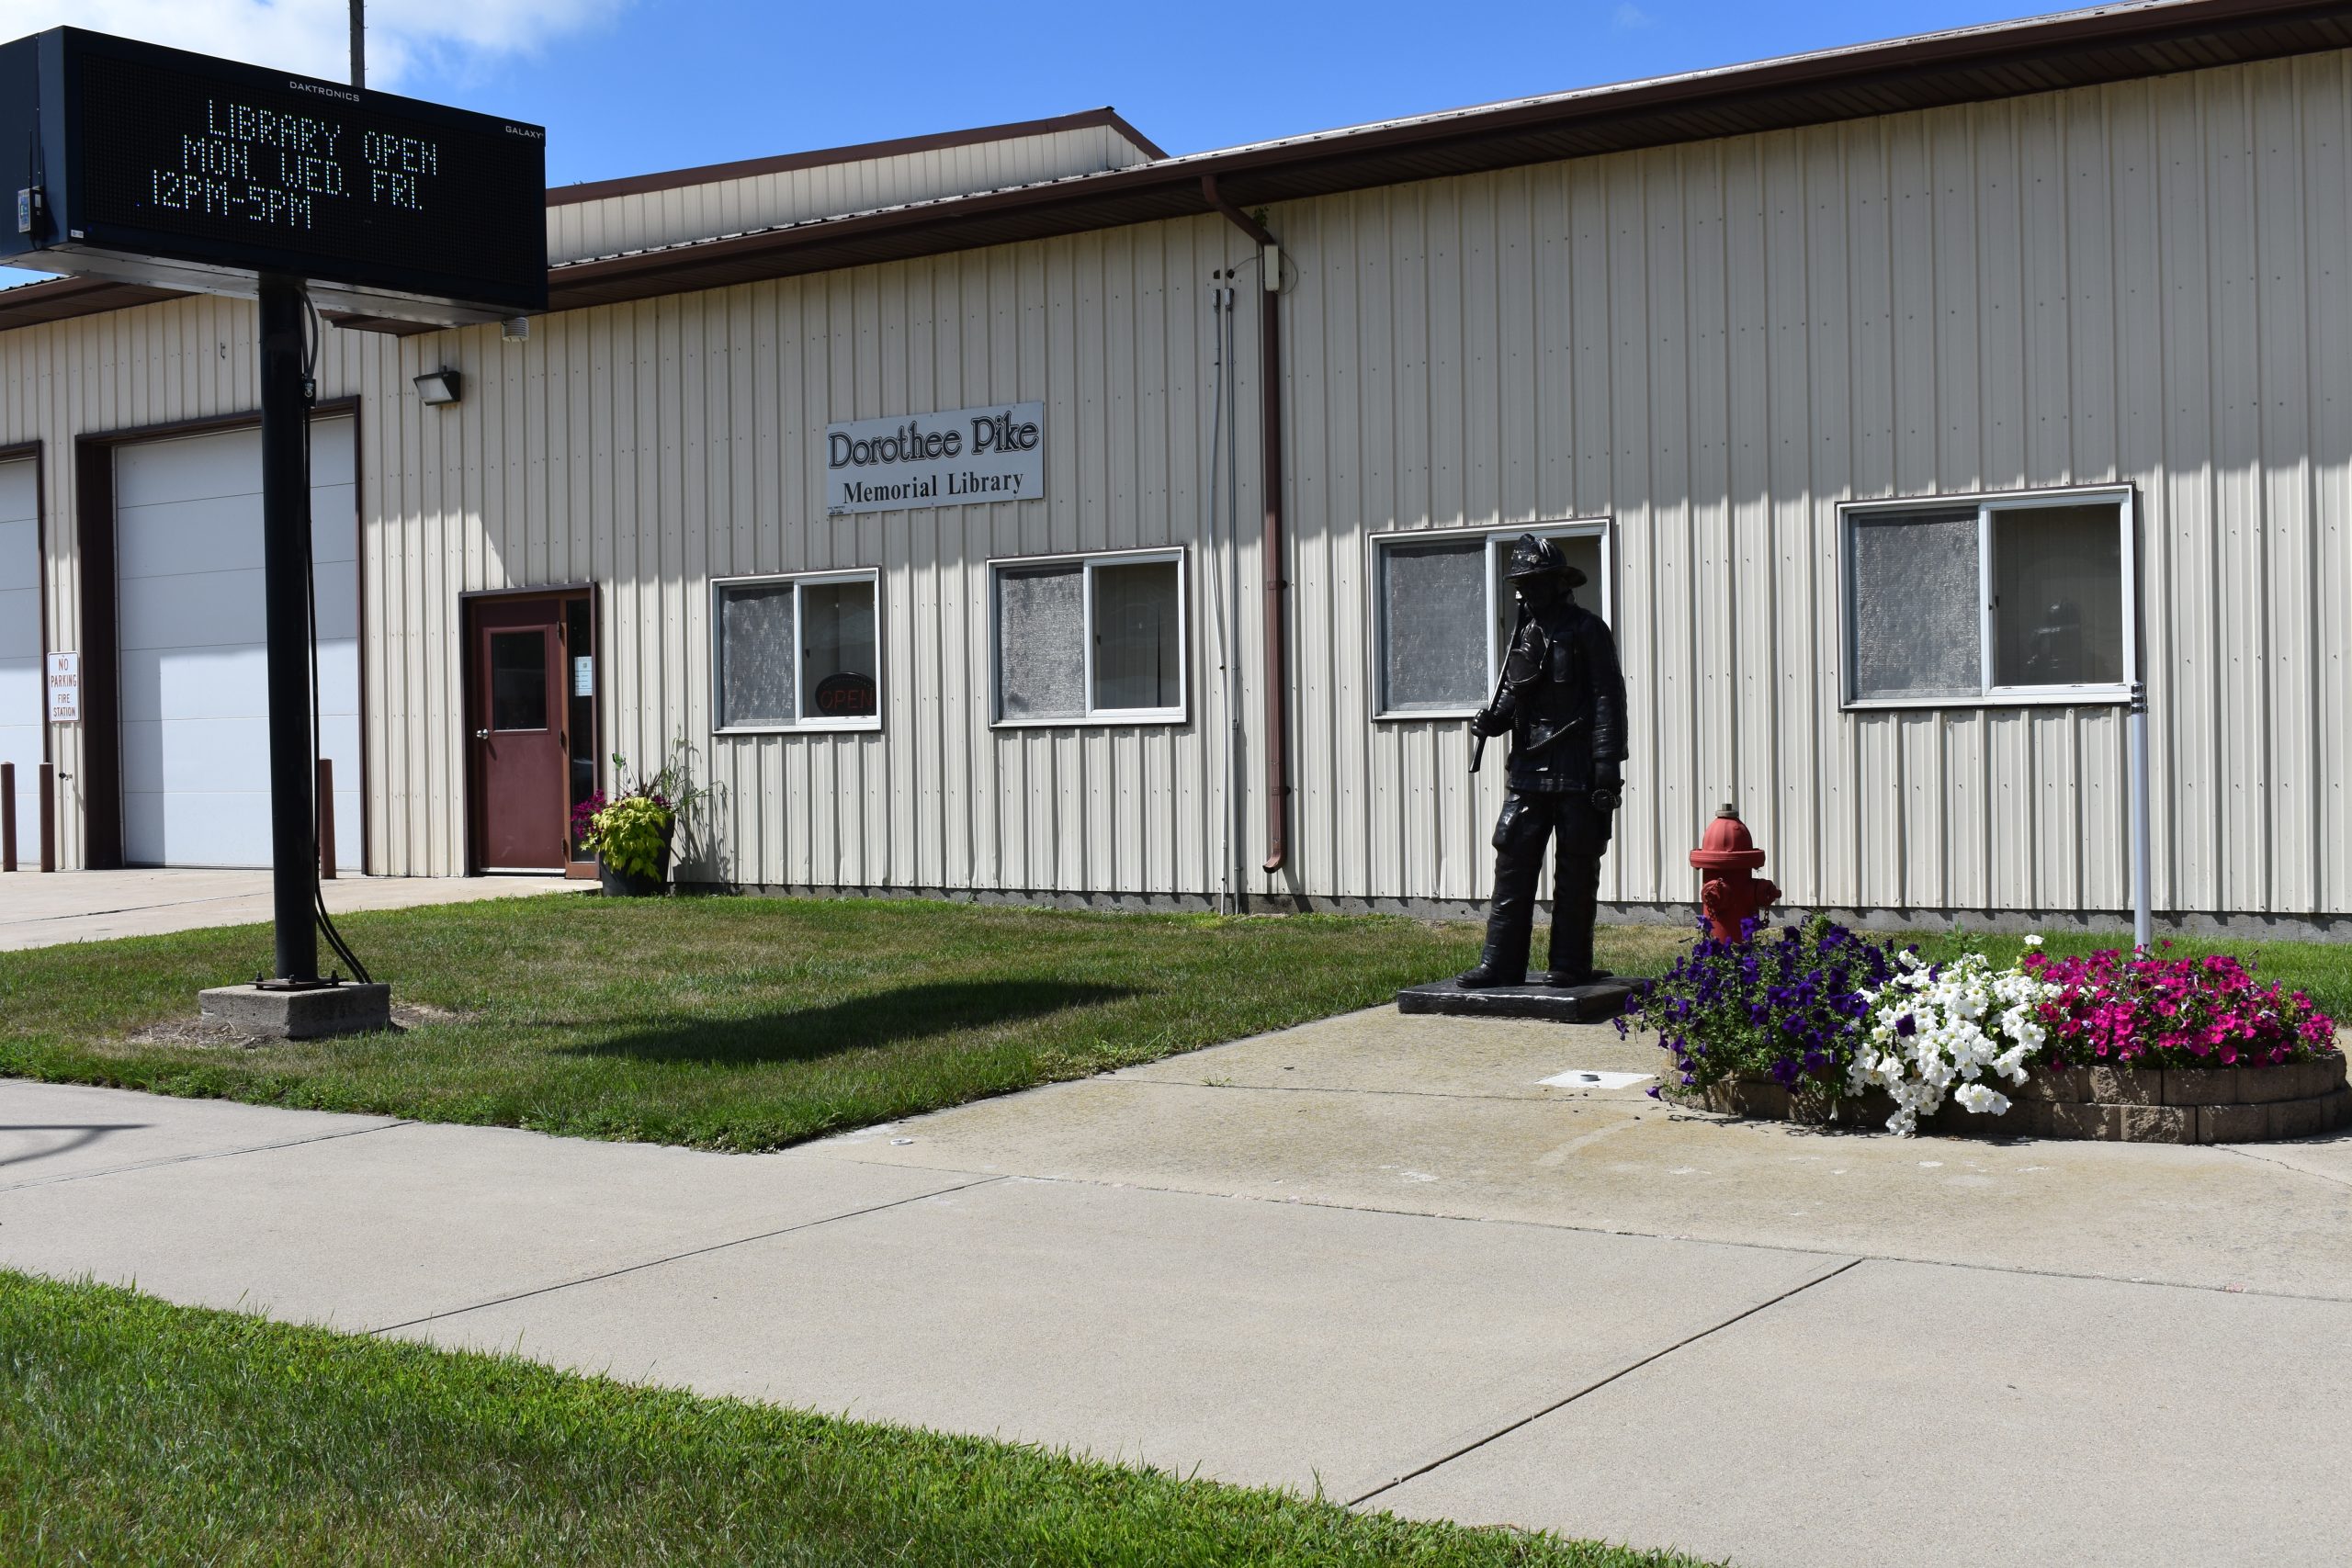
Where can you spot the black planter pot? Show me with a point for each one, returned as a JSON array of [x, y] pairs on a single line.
[[636, 884]]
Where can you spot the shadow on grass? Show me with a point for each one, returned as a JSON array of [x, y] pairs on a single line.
[[853, 1023]]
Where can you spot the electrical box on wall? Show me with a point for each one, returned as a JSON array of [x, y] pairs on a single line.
[[157, 166]]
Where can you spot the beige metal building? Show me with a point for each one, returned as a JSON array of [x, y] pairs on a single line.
[[1907, 405]]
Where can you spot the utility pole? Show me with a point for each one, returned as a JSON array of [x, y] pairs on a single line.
[[358, 44]]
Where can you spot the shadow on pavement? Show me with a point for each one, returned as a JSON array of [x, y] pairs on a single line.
[[90, 1132]]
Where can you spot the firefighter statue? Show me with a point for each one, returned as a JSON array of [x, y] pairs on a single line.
[[1562, 700]]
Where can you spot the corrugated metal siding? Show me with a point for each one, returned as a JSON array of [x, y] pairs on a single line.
[[1716, 344], [186, 359], [612, 224], [1713, 346], [650, 447]]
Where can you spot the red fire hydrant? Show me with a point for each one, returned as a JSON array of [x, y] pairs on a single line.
[[1732, 892]]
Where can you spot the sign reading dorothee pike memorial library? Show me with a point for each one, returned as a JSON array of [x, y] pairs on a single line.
[[952, 458]]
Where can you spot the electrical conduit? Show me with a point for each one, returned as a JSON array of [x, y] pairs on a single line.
[[1269, 442]]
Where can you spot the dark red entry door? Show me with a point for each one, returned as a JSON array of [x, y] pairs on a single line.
[[521, 749]]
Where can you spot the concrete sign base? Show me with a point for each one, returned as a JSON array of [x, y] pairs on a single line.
[[351, 1009]]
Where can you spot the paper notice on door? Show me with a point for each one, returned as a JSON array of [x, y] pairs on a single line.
[[584, 677]]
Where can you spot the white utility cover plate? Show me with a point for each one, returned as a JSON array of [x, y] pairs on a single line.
[[1591, 1077]]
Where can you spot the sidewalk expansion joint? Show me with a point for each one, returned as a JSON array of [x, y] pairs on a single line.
[[1599, 1383], [1799, 1249], [126, 909], [2277, 1164], [680, 1257], [201, 1155]]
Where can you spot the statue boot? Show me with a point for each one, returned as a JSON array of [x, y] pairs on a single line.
[[1575, 892], [1510, 918]]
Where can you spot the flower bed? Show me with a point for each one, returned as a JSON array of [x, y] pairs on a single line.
[[1820, 1024], [2162, 1105]]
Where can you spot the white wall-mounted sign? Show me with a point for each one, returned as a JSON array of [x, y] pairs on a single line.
[[951, 458], [583, 675], [64, 688]]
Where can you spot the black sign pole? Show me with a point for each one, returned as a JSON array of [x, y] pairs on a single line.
[[285, 539]]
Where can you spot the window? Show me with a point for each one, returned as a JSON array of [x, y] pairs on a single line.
[[1091, 638], [1990, 599], [797, 653], [1443, 611], [518, 680]]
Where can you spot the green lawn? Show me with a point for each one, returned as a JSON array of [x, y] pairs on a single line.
[[136, 1432], [739, 1023], [748, 1023]]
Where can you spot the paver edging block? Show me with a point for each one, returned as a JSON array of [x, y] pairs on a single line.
[[2166, 1105]]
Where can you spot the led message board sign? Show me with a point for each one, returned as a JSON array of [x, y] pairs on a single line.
[[154, 166]]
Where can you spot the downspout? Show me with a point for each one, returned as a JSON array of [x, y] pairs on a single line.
[[1270, 444]]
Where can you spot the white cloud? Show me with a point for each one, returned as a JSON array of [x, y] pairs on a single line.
[[313, 37], [1630, 17]]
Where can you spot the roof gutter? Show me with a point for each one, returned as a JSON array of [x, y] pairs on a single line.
[[1271, 559]]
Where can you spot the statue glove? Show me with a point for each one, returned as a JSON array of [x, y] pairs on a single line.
[[1486, 721]]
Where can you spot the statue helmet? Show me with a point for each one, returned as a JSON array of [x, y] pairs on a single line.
[[1531, 557]]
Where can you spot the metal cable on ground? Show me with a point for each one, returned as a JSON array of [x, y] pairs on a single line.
[[311, 337]]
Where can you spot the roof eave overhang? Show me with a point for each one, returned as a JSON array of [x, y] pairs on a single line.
[[2123, 42], [2083, 48]]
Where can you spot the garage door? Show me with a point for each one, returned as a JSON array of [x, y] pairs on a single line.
[[21, 695], [195, 671]]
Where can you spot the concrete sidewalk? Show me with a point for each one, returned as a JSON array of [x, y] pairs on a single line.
[[1375, 1255], [42, 909]]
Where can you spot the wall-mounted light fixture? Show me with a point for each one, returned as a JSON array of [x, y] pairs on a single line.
[[516, 329], [439, 387]]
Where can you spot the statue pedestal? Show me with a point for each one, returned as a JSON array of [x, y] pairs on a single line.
[[1560, 1004]]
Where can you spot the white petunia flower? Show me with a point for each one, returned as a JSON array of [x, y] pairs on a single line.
[[1983, 1099], [1966, 1019]]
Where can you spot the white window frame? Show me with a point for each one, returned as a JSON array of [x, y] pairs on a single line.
[[1092, 561], [799, 581], [2124, 497], [1498, 542]]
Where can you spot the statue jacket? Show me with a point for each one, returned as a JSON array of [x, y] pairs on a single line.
[[1565, 701]]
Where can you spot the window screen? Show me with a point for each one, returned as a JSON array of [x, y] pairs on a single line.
[[755, 646], [1581, 551], [1041, 641], [2058, 596], [1433, 602], [1136, 646], [1916, 622], [837, 670]]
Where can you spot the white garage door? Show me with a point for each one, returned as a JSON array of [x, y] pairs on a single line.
[[22, 697], [195, 669]]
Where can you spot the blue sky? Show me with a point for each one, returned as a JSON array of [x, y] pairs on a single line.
[[627, 86], [662, 86]]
